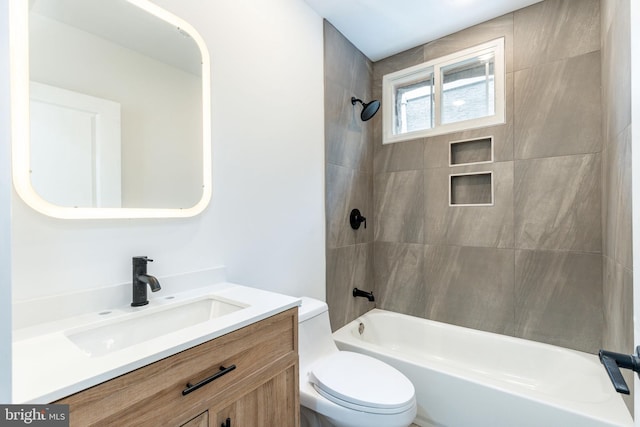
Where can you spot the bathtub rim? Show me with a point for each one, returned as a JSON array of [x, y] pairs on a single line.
[[345, 341]]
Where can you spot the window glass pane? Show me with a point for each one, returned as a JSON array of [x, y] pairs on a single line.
[[468, 89], [414, 106]]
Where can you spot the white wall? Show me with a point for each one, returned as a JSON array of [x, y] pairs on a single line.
[[266, 218], [5, 214], [267, 95]]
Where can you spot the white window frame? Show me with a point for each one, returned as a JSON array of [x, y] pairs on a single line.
[[421, 71]]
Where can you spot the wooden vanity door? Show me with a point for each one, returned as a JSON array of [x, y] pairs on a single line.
[[201, 420], [270, 405]]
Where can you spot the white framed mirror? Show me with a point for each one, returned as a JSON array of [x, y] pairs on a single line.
[[110, 110]]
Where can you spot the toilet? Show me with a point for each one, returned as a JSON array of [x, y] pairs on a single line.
[[342, 388]]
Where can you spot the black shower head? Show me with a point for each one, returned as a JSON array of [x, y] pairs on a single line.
[[368, 109]]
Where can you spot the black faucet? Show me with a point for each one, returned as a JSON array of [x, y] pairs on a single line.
[[140, 281], [368, 295]]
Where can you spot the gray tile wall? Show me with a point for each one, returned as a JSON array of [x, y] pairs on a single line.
[[348, 177], [531, 265], [551, 260], [616, 180]]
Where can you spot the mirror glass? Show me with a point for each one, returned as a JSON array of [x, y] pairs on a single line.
[[118, 111]]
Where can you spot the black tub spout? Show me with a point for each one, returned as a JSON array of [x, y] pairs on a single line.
[[368, 295], [614, 361]]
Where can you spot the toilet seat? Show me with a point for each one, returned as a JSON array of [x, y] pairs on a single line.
[[360, 382]]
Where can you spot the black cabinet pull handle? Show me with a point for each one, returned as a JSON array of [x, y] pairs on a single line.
[[194, 387], [226, 424]]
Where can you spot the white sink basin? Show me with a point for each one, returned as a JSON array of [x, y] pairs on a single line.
[[103, 337], [146, 325]]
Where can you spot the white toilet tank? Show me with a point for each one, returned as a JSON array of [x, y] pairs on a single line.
[[314, 332]]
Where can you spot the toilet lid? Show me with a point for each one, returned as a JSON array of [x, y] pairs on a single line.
[[361, 382]]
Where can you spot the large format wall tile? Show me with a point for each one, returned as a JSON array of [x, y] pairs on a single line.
[[437, 148], [617, 203], [347, 139], [471, 287], [489, 226], [618, 307], [406, 59], [557, 203], [555, 29], [399, 278], [608, 9], [607, 247], [559, 298], [347, 73], [401, 156], [616, 71], [559, 115], [478, 34], [436, 153], [347, 268], [616, 175], [347, 189], [348, 177], [617, 332], [344, 64], [399, 207]]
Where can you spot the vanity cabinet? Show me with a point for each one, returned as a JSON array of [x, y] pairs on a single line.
[[263, 406], [262, 389], [201, 420]]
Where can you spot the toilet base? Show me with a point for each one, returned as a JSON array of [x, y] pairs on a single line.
[[309, 418]]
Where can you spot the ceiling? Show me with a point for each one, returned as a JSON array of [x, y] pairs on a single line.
[[381, 28]]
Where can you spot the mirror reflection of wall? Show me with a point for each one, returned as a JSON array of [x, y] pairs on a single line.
[[113, 51], [75, 147]]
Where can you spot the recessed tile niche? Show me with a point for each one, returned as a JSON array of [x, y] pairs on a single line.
[[473, 189], [471, 151]]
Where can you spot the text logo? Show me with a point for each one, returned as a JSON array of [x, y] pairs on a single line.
[[34, 415]]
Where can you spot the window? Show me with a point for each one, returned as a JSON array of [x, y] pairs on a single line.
[[468, 90], [414, 105], [460, 91]]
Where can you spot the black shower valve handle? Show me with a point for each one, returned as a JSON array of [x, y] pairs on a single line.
[[356, 218]]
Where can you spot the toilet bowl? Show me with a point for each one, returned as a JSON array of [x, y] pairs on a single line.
[[345, 389]]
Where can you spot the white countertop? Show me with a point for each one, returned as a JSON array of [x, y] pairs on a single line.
[[47, 366]]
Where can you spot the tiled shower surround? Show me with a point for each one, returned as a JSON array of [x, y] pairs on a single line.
[[349, 177], [616, 180], [551, 259]]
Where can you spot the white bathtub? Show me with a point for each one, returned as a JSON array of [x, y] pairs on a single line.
[[469, 378]]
